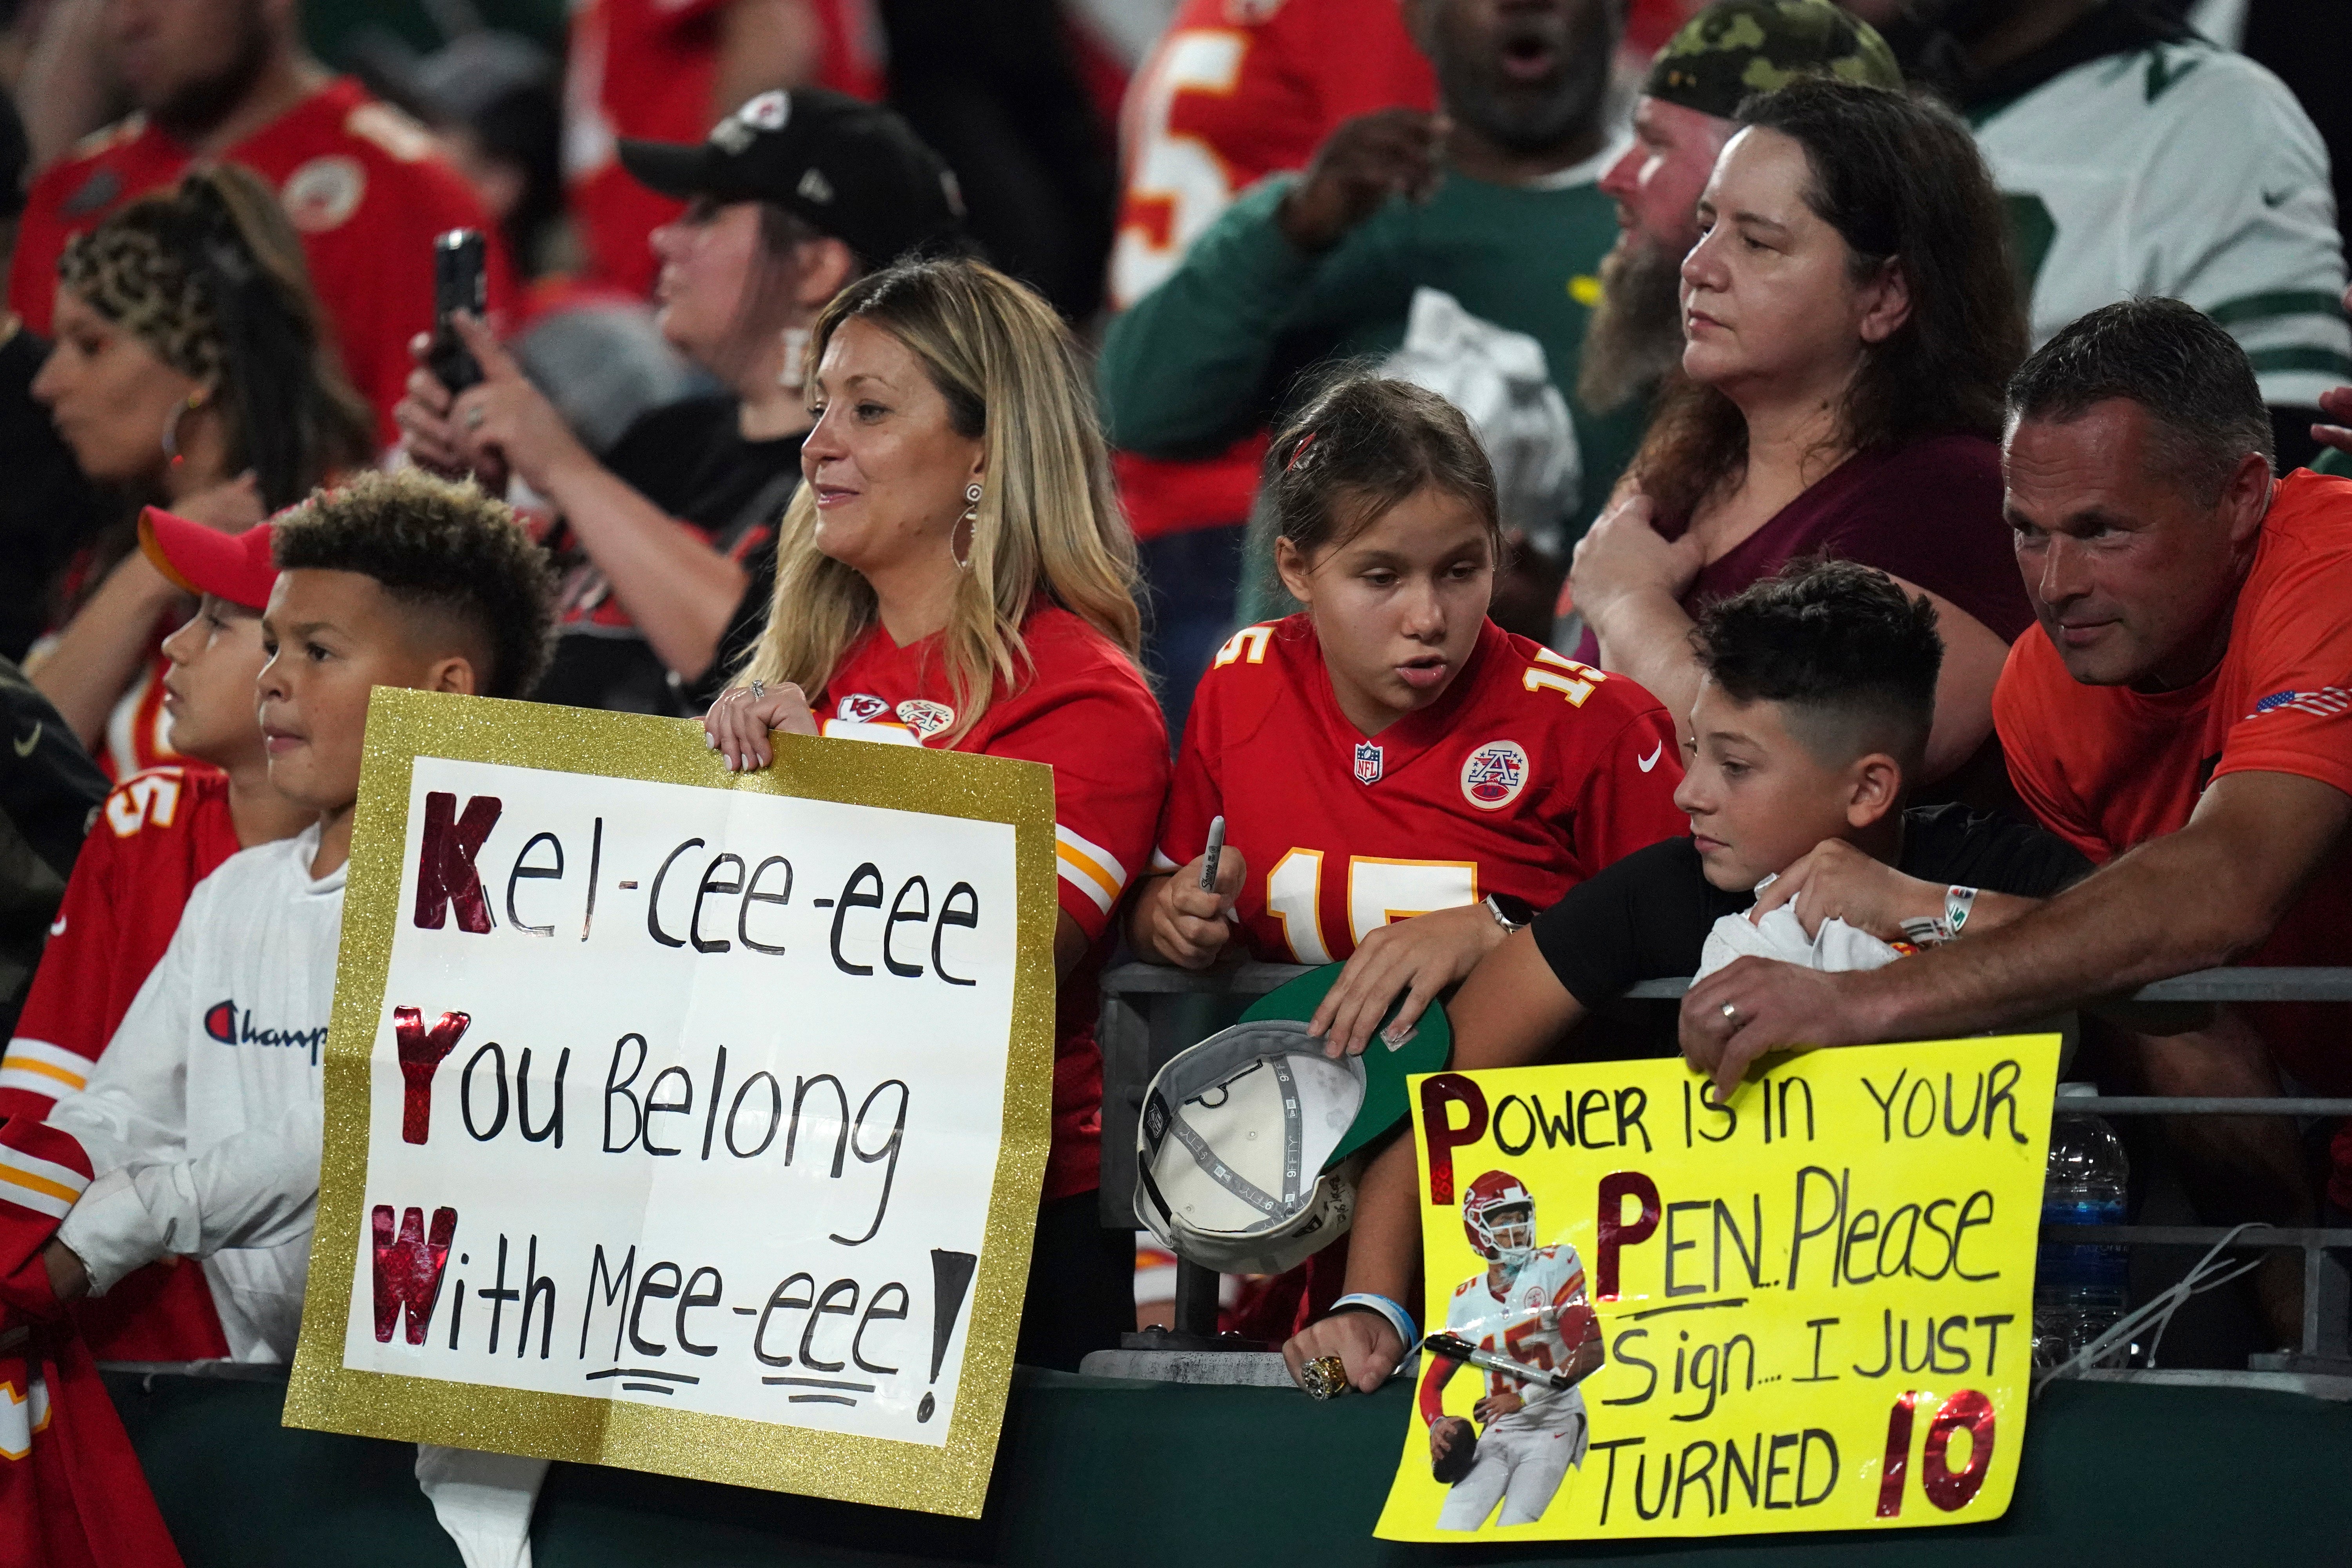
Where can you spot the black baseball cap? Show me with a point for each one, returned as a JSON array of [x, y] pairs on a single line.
[[854, 169]]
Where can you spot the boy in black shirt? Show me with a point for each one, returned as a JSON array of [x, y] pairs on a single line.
[[1819, 691]]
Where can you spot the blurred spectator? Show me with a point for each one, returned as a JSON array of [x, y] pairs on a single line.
[[48, 788], [2180, 718], [1850, 318], [228, 79], [491, 102], [669, 545], [1463, 246], [2138, 159], [667, 70], [995, 86], [192, 368], [46, 509], [1235, 92], [65, 88]]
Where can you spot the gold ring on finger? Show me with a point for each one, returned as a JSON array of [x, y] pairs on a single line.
[[1324, 1377]]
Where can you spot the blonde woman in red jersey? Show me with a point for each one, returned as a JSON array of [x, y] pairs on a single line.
[[1402, 782], [955, 572]]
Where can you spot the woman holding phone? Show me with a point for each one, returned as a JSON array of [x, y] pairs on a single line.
[[667, 540]]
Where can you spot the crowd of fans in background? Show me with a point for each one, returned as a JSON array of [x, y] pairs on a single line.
[[1392, 373]]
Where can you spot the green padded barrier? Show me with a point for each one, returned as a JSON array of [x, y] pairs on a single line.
[[1095, 1472]]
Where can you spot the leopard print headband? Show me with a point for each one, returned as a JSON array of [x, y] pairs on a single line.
[[125, 272]]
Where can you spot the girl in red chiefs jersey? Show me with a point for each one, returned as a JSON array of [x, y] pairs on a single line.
[[1402, 782], [955, 572]]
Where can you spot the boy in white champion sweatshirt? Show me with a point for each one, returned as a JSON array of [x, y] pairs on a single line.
[[202, 1120]]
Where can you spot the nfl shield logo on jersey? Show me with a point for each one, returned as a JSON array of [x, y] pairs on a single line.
[[1492, 775], [864, 708], [1368, 762]]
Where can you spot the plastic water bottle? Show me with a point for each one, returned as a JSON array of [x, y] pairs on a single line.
[[2079, 1292]]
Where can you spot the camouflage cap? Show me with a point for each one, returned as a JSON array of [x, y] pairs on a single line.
[[1739, 47]]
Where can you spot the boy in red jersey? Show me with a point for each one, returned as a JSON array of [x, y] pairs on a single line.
[[1402, 782], [158, 835], [228, 80]]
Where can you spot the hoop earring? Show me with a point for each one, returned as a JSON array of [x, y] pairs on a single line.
[[172, 453], [969, 523], [791, 375]]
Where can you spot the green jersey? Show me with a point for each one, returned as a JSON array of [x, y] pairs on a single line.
[[1215, 351]]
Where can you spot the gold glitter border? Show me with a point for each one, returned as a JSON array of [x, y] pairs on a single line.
[[405, 725]]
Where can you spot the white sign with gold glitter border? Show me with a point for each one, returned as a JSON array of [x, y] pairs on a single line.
[[682, 1120]]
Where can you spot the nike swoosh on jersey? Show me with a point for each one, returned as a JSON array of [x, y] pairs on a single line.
[[25, 747], [1651, 760]]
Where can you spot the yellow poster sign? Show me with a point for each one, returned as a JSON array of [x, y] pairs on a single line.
[[1810, 1308]]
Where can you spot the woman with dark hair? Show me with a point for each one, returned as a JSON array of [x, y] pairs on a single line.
[[1850, 318], [667, 541], [192, 370]]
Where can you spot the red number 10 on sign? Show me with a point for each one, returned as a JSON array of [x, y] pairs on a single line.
[[1948, 1489]]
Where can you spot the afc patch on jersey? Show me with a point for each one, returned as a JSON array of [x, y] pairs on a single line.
[[1368, 762], [324, 193], [1492, 775], [862, 709], [925, 716]]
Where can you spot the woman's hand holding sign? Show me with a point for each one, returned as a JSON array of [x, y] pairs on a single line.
[[738, 723]]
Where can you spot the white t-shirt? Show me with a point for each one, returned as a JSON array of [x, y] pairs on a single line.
[[1511, 1325], [2180, 169], [202, 1120]]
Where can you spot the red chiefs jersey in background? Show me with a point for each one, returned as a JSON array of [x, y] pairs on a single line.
[[646, 68], [156, 839], [1235, 90], [1530, 774], [362, 186]]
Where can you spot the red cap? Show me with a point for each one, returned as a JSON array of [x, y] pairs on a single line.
[[233, 566]]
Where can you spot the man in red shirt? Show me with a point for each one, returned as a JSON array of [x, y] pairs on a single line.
[[158, 835], [227, 78], [2183, 715]]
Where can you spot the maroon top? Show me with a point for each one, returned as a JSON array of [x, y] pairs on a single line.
[[1928, 513]]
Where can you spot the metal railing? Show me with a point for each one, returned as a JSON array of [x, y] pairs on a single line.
[[1145, 1021]]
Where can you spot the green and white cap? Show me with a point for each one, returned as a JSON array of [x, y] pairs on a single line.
[[1239, 1135]]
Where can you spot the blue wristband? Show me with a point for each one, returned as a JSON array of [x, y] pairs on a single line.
[[1398, 1318]]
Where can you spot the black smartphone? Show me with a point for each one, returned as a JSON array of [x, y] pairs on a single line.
[[460, 282]]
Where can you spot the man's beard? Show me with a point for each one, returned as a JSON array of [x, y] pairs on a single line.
[[1635, 336], [193, 110]]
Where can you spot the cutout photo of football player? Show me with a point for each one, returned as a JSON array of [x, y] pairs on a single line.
[[1525, 1311]]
